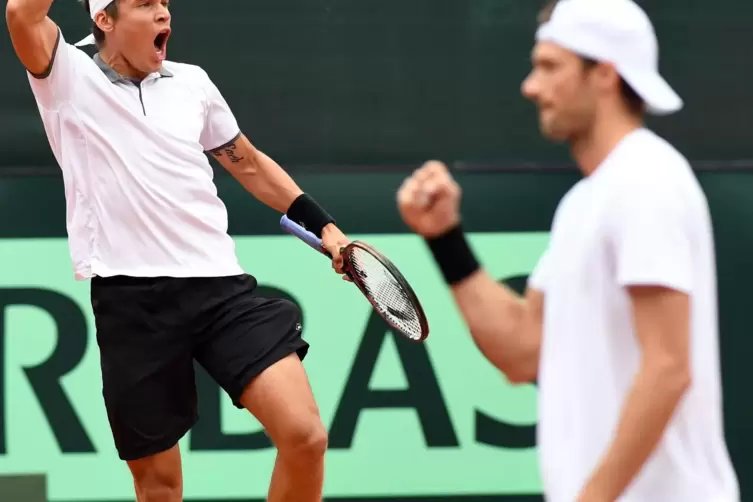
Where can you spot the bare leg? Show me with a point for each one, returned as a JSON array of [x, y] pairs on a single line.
[[158, 478], [281, 399]]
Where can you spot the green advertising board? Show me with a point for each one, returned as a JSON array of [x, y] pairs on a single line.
[[404, 419]]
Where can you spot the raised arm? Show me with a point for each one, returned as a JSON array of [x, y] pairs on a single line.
[[33, 34], [505, 327]]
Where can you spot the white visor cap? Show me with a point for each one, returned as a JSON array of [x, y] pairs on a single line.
[[618, 32], [95, 6]]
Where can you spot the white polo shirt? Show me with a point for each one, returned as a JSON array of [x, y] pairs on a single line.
[[140, 199], [640, 218]]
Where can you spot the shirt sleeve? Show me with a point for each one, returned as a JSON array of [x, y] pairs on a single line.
[[53, 88], [220, 125], [540, 276], [650, 234]]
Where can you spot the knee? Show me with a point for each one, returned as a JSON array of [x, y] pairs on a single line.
[[305, 443], [158, 488], [158, 484]]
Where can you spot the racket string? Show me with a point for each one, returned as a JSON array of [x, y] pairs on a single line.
[[386, 292]]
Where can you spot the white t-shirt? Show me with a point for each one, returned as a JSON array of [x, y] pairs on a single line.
[[140, 198], [640, 219]]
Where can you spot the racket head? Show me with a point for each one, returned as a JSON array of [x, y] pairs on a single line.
[[385, 287]]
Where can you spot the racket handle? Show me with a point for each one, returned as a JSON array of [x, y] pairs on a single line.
[[309, 238]]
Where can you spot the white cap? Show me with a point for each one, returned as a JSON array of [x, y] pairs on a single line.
[[618, 32], [95, 6]]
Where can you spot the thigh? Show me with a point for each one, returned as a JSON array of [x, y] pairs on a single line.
[[147, 368], [241, 335], [282, 400]]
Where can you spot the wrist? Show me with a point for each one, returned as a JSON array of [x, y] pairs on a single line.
[[328, 228], [453, 255], [448, 227], [309, 214]]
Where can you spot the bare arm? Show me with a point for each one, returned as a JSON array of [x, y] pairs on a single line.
[[258, 174], [504, 326], [34, 35], [661, 317]]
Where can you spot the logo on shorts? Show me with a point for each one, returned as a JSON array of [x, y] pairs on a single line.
[[298, 326]]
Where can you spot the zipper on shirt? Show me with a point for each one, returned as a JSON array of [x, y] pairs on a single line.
[[141, 99], [138, 83]]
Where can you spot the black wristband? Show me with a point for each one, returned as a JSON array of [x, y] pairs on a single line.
[[453, 255], [306, 212]]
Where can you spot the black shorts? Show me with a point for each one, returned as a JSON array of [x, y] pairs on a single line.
[[150, 331]]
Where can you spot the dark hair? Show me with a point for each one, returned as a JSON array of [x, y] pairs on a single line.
[[111, 10], [545, 14], [632, 100]]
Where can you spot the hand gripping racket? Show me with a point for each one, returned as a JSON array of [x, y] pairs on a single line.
[[379, 281]]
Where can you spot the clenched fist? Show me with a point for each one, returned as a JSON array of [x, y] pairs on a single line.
[[429, 200]]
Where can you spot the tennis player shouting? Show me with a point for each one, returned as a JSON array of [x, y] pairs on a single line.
[[619, 323], [129, 130]]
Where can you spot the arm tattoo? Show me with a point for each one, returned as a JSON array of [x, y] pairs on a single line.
[[228, 150]]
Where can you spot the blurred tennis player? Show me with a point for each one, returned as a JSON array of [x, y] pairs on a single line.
[[619, 322], [129, 130]]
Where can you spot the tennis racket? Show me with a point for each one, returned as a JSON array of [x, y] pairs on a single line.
[[378, 279]]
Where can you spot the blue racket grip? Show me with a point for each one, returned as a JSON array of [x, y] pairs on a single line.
[[309, 238]]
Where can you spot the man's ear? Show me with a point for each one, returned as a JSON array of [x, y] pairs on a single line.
[[605, 77], [104, 22]]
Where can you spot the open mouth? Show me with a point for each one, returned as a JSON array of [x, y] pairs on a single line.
[[160, 43]]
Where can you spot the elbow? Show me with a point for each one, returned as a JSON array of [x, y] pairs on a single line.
[[520, 375], [675, 377], [683, 379], [678, 384], [12, 11], [520, 368], [254, 164], [17, 11], [248, 170]]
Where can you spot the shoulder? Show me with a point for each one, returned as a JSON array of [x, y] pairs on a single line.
[[71, 74], [661, 151], [648, 159], [69, 55], [646, 165], [188, 72], [653, 177], [192, 77]]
